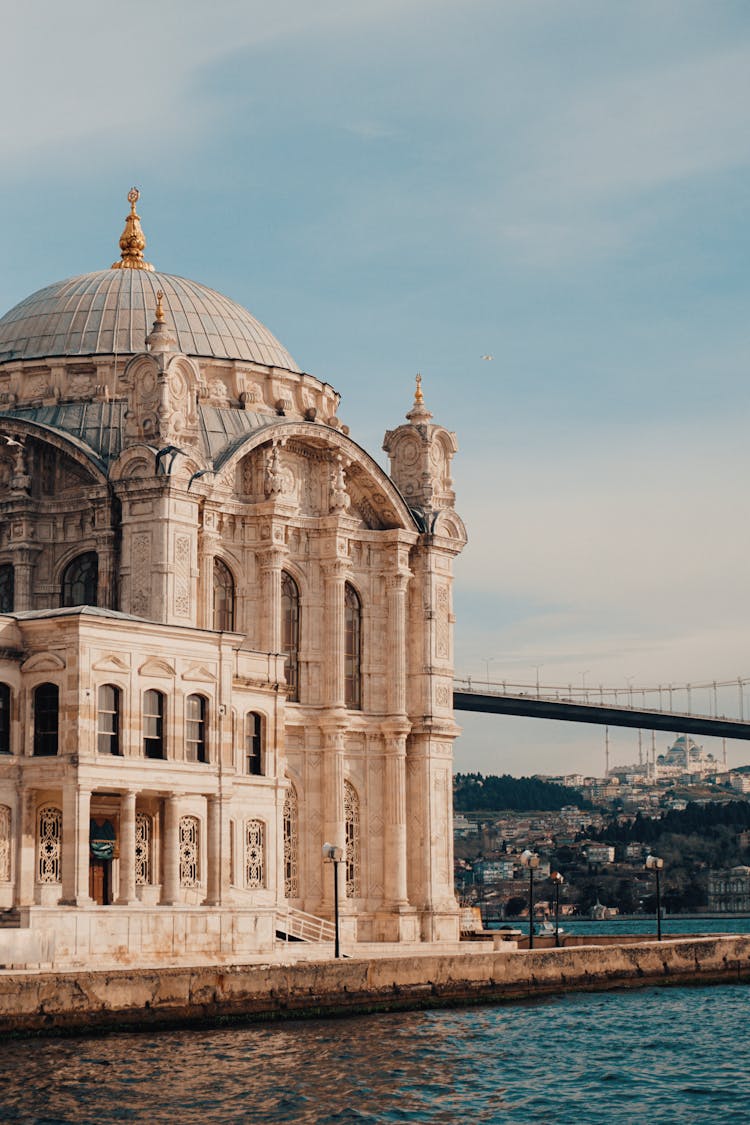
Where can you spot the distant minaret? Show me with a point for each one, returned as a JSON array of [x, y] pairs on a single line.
[[640, 748], [606, 751]]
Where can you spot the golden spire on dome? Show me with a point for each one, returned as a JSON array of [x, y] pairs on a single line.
[[418, 396], [419, 412], [132, 239], [159, 307]]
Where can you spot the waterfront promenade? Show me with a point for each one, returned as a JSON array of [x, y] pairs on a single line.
[[140, 997]]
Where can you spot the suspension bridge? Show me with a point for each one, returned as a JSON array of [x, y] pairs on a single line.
[[676, 708]]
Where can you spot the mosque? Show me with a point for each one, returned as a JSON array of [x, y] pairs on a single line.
[[227, 637]]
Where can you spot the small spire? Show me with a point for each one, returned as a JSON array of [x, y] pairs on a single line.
[[132, 239], [419, 412], [159, 308]]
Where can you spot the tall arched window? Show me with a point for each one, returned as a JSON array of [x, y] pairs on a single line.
[[255, 854], [290, 633], [108, 720], [189, 851], [253, 744], [153, 724], [352, 648], [80, 581], [49, 840], [7, 588], [4, 719], [5, 838], [291, 843], [223, 598], [352, 855], [46, 719], [195, 728]]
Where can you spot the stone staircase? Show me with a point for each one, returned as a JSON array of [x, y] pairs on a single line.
[[296, 925]]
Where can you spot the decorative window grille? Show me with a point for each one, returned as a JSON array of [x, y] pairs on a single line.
[[352, 648], [290, 633], [4, 844], [253, 743], [353, 840], [108, 720], [291, 843], [6, 588], [80, 581], [255, 854], [223, 598], [195, 728], [189, 851], [49, 840], [4, 719], [46, 719], [143, 854]]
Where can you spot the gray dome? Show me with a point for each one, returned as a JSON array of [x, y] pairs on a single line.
[[112, 311]]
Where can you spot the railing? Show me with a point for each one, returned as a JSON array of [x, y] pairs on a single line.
[[304, 927]]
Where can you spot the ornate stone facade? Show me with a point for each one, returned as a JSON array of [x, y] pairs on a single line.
[[226, 632]]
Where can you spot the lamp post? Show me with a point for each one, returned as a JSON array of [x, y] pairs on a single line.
[[334, 855], [655, 864], [558, 881], [531, 860]]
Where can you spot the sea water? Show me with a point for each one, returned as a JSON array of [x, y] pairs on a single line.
[[657, 1055]]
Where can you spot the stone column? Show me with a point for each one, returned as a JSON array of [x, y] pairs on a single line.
[[24, 559], [395, 881], [26, 833], [396, 585], [213, 850], [105, 550], [209, 543], [75, 845], [271, 565], [336, 572], [171, 852], [334, 823], [127, 849]]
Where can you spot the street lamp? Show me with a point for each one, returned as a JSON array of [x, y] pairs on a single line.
[[558, 880], [531, 860], [655, 864], [334, 855]]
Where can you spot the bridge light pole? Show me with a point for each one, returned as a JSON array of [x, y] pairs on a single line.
[[334, 855], [558, 880], [655, 863], [531, 860]]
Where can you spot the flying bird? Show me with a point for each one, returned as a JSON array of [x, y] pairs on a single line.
[[12, 441], [487, 357]]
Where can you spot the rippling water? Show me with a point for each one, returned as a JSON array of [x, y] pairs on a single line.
[[658, 1056]]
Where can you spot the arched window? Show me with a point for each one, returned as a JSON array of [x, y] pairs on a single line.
[[4, 719], [290, 633], [352, 855], [49, 836], [153, 724], [46, 719], [195, 728], [291, 843], [7, 588], [255, 854], [223, 597], [352, 648], [189, 851], [80, 581], [253, 743], [5, 844], [144, 832], [108, 720]]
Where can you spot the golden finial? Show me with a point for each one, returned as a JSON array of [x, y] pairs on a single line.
[[418, 396], [159, 309], [132, 239]]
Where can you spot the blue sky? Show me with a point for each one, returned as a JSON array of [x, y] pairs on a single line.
[[406, 186]]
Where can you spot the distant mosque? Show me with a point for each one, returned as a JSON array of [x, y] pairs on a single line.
[[226, 637]]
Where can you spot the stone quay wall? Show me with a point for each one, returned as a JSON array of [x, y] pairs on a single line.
[[81, 1002]]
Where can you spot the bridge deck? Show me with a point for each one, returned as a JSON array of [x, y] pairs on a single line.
[[600, 714]]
